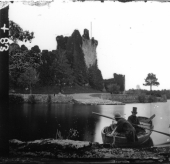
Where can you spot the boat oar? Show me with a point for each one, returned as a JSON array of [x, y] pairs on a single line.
[[103, 115], [133, 124], [152, 130], [162, 144]]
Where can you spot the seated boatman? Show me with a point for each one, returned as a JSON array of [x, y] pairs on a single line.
[[123, 126], [133, 119]]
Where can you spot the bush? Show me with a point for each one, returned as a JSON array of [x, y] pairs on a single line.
[[73, 134], [164, 97], [31, 99], [49, 99], [141, 98], [152, 99], [16, 99], [113, 88]]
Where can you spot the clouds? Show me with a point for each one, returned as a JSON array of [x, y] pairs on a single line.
[[133, 37]]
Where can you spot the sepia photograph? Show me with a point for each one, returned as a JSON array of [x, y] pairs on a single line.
[[88, 81]]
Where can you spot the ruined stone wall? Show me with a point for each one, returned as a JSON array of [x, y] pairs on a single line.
[[89, 48], [87, 44]]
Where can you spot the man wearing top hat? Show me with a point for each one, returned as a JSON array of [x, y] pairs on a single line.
[[133, 119]]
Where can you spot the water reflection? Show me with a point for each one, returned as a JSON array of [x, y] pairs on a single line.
[[30, 122]]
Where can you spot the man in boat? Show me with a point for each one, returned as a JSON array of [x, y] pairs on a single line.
[[133, 119], [123, 126]]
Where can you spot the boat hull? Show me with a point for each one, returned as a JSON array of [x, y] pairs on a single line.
[[121, 141]]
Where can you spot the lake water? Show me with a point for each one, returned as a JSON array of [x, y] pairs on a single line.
[[29, 122]]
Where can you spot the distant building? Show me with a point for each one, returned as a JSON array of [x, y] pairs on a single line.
[[118, 79]]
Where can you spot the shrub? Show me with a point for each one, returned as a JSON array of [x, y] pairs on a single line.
[[49, 99], [152, 99], [113, 88], [58, 135], [164, 97], [73, 134], [141, 98], [168, 95], [16, 99], [31, 99]]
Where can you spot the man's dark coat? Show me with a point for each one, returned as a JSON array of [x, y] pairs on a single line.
[[123, 126]]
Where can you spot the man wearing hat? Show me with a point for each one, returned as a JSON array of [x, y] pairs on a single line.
[[123, 126], [133, 119]]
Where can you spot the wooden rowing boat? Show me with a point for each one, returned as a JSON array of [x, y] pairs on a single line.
[[120, 139]]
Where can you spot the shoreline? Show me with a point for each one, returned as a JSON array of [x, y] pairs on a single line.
[[89, 99], [56, 149], [81, 98]]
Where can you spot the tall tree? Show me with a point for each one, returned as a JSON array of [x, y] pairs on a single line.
[[34, 57], [15, 64], [16, 33], [63, 74], [151, 80], [46, 74], [29, 78], [21, 59]]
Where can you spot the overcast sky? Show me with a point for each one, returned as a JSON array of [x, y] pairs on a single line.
[[134, 37]]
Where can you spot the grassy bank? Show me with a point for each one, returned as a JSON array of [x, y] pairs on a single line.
[[48, 94]]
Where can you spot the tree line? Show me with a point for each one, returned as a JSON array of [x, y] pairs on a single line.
[[61, 67]]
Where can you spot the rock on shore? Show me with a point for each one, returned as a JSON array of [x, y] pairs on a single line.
[[58, 149]]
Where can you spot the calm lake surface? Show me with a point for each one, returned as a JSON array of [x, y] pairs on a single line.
[[39, 121]]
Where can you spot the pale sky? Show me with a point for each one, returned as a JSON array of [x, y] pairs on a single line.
[[133, 38]]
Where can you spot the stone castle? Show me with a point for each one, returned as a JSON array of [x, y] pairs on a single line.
[[87, 45]]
